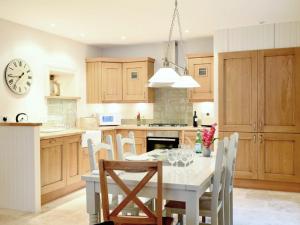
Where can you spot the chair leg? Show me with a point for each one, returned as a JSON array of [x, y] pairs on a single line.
[[221, 216], [227, 209], [180, 219], [203, 219], [231, 208]]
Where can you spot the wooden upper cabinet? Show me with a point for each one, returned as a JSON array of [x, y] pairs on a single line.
[[279, 157], [238, 91], [112, 82], [279, 90], [135, 79], [246, 161], [201, 68], [93, 82], [119, 80]]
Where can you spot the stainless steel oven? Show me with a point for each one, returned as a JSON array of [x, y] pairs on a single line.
[[162, 140]]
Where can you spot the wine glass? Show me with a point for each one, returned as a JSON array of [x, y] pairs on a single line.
[[184, 157], [172, 157]]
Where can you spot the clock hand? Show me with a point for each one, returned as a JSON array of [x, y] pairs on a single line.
[[17, 76]]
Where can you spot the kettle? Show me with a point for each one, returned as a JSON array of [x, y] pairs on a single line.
[[21, 117]]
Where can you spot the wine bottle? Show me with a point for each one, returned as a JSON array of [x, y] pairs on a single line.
[[195, 119]]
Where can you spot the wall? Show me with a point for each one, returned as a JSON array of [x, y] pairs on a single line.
[[157, 51], [43, 52]]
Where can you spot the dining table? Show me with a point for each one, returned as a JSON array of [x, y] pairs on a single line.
[[181, 183]]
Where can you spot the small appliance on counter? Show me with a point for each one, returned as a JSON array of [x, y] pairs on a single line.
[[109, 119], [21, 117]]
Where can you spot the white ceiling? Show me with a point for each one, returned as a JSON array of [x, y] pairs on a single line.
[[106, 21]]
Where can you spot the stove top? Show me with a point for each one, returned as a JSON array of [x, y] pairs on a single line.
[[167, 125]]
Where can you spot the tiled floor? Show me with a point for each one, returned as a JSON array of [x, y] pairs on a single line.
[[252, 207]]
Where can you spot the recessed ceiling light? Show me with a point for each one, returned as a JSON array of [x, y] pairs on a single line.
[[123, 37], [187, 31], [52, 25]]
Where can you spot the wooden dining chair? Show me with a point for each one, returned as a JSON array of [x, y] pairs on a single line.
[[230, 167], [150, 169], [122, 141], [211, 203]]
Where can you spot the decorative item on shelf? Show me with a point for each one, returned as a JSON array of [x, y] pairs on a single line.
[[138, 119], [54, 86], [4, 119], [21, 117], [208, 140], [167, 76], [195, 119]]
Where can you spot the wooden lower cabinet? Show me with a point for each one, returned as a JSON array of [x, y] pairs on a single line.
[[188, 138], [279, 157], [267, 161], [246, 162], [60, 166]]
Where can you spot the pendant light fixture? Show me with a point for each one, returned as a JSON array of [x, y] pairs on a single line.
[[167, 76]]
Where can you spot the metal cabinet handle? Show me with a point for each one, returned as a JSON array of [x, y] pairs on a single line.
[[260, 125], [254, 138], [254, 126], [261, 139]]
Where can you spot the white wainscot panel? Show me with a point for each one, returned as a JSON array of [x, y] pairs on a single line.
[[221, 41], [251, 38], [287, 34]]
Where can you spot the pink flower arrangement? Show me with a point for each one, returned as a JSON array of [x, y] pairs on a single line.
[[208, 136]]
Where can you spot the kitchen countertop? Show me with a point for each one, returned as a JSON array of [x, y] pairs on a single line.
[[64, 133], [68, 132]]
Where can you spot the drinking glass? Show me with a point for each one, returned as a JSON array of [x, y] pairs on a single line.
[[172, 156], [184, 157]]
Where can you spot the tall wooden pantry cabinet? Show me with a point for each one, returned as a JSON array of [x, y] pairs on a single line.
[[259, 97]]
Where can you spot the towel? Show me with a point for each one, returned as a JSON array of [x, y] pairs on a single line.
[[95, 135]]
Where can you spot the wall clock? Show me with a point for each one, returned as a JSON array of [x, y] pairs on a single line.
[[18, 76]]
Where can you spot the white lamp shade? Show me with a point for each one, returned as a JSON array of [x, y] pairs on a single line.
[[164, 76], [186, 81]]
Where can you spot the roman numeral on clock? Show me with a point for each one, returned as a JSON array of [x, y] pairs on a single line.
[[28, 83], [11, 81]]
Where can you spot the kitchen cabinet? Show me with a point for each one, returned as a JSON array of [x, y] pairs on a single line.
[[85, 161], [53, 164], [247, 155], [60, 166], [259, 97], [135, 78], [238, 91], [188, 137], [112, 82], [279, 157], [93, 82], [201, 69], [73, 148], [279, 90], [119, 80]]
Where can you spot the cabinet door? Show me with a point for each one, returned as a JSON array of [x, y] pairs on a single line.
[[202, 71], [134, 81], [112, 82], [238, 91], [246, 162], [190, 138], [279, 157], [279, 90], [140, 144], [84, 161], [93, 82], [53, 165], [73, 148]]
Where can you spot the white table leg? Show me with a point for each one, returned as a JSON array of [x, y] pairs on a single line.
[[192, 209], [92, 203]]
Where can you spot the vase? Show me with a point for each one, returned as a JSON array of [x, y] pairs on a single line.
[[206, 151]]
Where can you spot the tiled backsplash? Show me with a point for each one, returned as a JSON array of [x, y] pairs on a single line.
[[172, 106], [61, 113]]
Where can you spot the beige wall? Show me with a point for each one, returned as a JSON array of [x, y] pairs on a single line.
[[43, 52]]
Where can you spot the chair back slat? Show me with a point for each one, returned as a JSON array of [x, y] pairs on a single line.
[[122, 141], [150, 168], [219, 176], [95, 148], [231, 159]]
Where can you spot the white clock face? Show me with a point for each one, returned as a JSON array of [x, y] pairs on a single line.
[[18, 76]]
